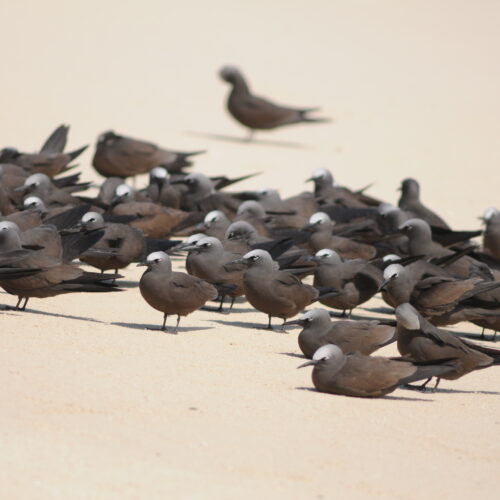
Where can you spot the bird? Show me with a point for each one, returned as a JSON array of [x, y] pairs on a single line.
[[172, 293], [356, 280], [419, 340], [491, 235], [257, 113], [274, 292], [56, 277], [121, 156], [321, 228], [209, 260], [357, 375], [362, 336], [410, 201]]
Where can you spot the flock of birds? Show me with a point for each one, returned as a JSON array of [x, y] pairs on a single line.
[[258, 245]]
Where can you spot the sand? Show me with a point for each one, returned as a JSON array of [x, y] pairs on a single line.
[[94, 405]]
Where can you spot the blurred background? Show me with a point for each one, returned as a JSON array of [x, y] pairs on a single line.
[[412, 87]]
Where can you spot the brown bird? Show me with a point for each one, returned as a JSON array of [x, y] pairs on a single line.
[[362, 336], [419, 340], [121, 156], [356, 280], [57, 276], [171, 292], [257, 113], [366, 376], [274, 292]]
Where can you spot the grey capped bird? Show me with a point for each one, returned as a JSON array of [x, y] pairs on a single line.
[[363, 336], [170, 292], [366, 376]]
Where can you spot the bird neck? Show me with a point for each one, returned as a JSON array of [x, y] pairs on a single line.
[[240, 87]]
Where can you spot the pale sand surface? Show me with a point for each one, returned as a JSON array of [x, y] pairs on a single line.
[[95, 406]]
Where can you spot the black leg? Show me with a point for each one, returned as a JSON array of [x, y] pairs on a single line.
[[177, 324], [164, 321], [494, 336], [232, 304], [283, 326], [482, 334], [269, 327], [437, 383], [18, 303], [221, 303], [25, 304]]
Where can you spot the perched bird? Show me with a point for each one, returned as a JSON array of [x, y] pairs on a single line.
[[410, 201], [121, 156], [257, 113], [274, 292], [356, 280], [351, 336], [419, 340], [365, 376], [171, 292]]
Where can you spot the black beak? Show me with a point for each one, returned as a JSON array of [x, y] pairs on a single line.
[[383, 284], [308, 363]]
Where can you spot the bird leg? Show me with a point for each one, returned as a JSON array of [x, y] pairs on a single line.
[[482, 334], [25, 304], [164, 321], [494, 336], [221, 304], [438, 379], [283, 326], [420, 387], [18, 303], [234, 298], [269, 327], [343, 315], [177, 324]]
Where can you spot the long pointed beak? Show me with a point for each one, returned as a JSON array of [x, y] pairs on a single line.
[[293, 322], [142, 264], [310, 179], [22, 188], [383, 284], [308, 363], [239, 261], [189, 248]]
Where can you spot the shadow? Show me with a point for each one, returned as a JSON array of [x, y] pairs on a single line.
[[255, 326], [379, 310], [293, 355], [127, 284], [475, 336], [461, 391], [387, 397], [244, 140], [156, 328], [59, 315]]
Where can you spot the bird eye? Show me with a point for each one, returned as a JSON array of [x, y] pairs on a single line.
[[206, 245], [92, 220], [308, 320], [254, 257], [157, 260]]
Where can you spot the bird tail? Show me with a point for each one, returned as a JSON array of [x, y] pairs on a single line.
[[56, 142], [304, 116], [77, 152], [489, 351], [326, 291]]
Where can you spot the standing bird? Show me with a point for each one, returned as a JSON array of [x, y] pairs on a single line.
[[172, 292], [365, 376], [271, 291], [257, 113]]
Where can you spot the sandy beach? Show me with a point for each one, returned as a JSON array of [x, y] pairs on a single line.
[[94, 405]]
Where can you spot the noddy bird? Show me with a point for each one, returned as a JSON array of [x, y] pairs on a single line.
[[491, 236], [121, 156], [57, 276], [419, 340], [274, 292], [321, 227], [410, 201], [365, 376], [172, 292], [362, 336], [356, 280], [257, 113]]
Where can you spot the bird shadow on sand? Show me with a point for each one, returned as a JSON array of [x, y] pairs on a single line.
[[127, 284], [293, 355], [56, 315], [253, 326], [447, 391], [386, 398], [244, 140], [156, 328], [378, 310]]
